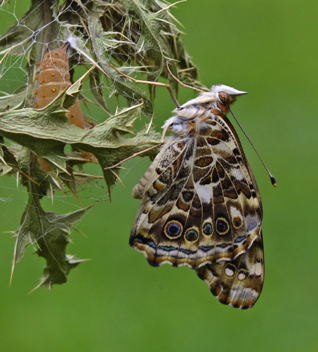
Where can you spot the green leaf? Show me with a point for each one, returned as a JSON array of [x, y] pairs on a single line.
[[50, 232], [137, 36], [20, 36], [97, 92], [46, 132], [102, 47]]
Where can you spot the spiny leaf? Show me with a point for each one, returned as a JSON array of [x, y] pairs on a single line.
[[103, 53], [46, 132], [49, 231], [137, 34], [97, 90], [32, 22], [150, 39]]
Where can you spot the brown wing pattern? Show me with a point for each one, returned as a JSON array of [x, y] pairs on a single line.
[[199, 203], [237, 283]]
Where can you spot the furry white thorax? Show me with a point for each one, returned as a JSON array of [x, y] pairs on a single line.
[[181, 122], [176, 125]]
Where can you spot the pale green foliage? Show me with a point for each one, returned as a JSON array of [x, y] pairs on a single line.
[[134, 35], [49, 231]]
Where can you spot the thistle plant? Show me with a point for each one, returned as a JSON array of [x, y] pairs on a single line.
[[136, 36]]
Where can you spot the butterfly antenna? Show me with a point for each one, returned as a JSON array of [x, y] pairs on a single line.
[[274, 183]]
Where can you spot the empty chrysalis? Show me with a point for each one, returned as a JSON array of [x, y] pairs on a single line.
[[53, 77]]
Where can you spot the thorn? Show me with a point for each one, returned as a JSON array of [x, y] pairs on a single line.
[[77, 197], [135, 154], [28, 177], [58, 185], [59, 167], [117, 176], [80, 232], [13, 260], [12, 271], [6, 54], [110, 197], [51, 193], [36, 287]]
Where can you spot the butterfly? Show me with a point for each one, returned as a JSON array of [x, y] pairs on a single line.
[[200, 204]]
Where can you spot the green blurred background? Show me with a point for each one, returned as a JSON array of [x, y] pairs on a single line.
[[116, 301]]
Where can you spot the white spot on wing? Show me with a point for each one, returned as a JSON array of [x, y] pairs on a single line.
[[235, 212], [246, 293], [252, 223], [237, 173], [204, 193], [241, 276], [229, 272], [254, 294], [258, 269]]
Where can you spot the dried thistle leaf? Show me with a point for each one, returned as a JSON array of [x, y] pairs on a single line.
[[49, 231], [135, 35], [46, 132]]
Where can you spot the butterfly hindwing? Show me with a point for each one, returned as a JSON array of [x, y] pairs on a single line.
[[237, 283]]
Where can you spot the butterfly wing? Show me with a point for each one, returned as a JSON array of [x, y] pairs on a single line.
[[237, 283], [199, 201], [159, 189]]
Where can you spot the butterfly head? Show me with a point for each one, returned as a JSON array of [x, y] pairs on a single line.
[[225, 95]]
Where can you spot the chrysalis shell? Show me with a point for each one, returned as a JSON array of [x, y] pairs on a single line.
[[54, 77]]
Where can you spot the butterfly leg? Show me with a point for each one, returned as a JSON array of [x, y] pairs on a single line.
[[132, 156], [181, 83], [174, 99]]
